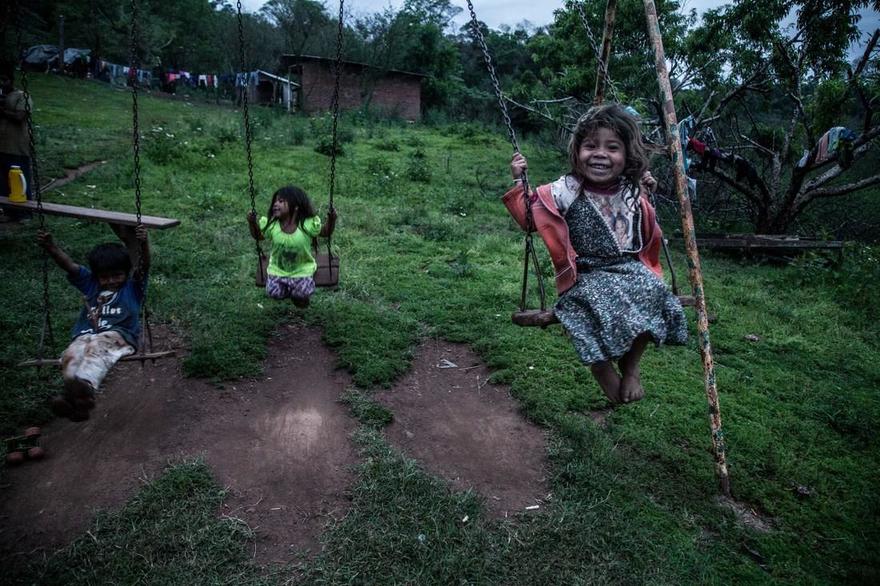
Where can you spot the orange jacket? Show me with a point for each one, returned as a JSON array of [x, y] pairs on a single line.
[[554, 232]]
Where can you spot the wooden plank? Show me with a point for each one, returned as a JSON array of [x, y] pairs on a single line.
[[129, 358], [534, 317], [121, 218], [741, 243]]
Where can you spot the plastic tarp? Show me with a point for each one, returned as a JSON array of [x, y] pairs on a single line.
[[70, 55], [41, 54]]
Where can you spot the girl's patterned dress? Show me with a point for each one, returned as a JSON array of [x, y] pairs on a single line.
[[616, 297]]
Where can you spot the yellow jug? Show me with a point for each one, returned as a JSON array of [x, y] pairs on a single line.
[[17, 185]]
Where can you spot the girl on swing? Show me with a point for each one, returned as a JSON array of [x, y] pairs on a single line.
[[290, 226], [604, 241]]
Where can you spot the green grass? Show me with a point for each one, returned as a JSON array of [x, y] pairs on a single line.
[[433, 254]]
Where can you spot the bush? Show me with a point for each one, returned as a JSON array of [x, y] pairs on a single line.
[[418, 168], [297, 136], [226, 134], [325, 146], [388, 145], [379, 167], [161, 147]]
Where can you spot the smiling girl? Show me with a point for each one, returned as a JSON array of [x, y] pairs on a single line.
[[604, 241]]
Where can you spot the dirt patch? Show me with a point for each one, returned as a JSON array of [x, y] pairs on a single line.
[[600, 416], [72, 174], [280, 444], [447, 416], [747, 515]]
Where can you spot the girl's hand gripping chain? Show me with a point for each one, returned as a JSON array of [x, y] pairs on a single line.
[[518, 165], [648, 183]]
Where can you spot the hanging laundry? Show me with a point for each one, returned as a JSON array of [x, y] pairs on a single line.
[[697, 146], [804, 160], [684, 130], [692, 189], [837, 141]]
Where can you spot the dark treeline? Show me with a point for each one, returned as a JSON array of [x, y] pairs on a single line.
[[762, 79]]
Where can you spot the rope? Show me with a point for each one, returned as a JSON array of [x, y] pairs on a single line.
[[46, 334], [530, 253], [248, 134]]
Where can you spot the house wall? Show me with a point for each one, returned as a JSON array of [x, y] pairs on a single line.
[[392, 93]]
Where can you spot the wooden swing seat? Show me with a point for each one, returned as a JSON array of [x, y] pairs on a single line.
[[97, 215], [543, 318], [326, 276], [129, 358]]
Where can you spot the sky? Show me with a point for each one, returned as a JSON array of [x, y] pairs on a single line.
[[539, 12]]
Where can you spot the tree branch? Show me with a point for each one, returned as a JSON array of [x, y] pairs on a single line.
[[751, 196], [746, 85], [866, 56], [841, 189], [759, 147], [854, 81], [836, 170], [859, 142]]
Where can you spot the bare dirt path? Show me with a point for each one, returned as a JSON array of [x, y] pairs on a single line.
[[280, 444], [448, 417]]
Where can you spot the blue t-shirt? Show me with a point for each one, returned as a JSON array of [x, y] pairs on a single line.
[[116, 310]]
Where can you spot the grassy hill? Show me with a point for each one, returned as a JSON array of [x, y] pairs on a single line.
[[429, 251]]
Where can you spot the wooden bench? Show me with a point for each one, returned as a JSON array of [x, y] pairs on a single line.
[[118, 218], [766, 242]]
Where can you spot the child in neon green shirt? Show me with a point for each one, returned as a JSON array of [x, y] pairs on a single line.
[[290, 226]]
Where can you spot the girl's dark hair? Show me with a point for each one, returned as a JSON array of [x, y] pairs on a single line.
[[110, 257], [295, 198], [622, 123]]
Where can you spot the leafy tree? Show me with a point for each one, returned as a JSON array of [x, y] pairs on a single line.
[[307, 27], [783, 90]]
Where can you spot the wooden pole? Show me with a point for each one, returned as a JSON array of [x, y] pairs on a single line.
[[693, 256], [607, 34]]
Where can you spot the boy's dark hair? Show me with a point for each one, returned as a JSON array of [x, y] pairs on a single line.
[[295, 198], [109, 257], [622, 123]]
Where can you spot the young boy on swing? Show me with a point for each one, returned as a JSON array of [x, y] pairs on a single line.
[[109, 325]]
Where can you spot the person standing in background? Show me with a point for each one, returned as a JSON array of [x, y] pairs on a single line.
[[14, 144]]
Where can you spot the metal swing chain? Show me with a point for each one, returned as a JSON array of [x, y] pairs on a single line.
[[596, 50], [530, 253], [248, 134], [46, 334], [136, 147], [335, 115]]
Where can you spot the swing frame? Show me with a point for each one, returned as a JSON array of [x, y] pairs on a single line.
[[543, 317], [114, 219], [327, 272]]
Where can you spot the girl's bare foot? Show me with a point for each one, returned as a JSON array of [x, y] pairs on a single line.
[[608, 380], [631, 389]]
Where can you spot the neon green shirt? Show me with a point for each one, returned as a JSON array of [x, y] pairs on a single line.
[[291, 254]]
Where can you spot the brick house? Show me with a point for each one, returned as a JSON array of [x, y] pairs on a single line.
[[396, 93]]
